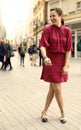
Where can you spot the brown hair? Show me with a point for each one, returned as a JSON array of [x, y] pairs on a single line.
[[59, 12]]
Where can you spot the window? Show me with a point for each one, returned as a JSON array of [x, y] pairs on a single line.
[[78, 5]]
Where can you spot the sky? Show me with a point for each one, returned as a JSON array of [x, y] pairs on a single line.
[[13, 11]]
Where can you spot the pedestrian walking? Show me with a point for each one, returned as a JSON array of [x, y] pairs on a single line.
[[55, 45], [22, 53], [8, 55], [33, 53], [2, 52], [40, 58]]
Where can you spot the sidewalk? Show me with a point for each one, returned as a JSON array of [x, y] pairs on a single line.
[[22, 98]]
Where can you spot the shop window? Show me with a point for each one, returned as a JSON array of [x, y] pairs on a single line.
[[79, 43], [73, 44], [78, 5]]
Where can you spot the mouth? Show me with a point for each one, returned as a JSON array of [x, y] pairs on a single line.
[[53, 21]]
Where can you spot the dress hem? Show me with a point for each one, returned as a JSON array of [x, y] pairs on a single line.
[[54, 81]]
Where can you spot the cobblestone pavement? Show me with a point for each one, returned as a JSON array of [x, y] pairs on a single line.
[[22, 97]]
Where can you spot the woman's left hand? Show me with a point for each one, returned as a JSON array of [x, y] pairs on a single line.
[[65, 70]]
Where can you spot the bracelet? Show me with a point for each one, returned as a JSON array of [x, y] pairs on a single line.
[[44, 58]]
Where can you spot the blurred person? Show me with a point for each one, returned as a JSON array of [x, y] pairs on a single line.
[[34, 55], [30, 52], [2, 52], [40, 58], [8, 55], [55, 45], [22, 52]]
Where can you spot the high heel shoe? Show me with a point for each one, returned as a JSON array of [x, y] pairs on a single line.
[[63, 118], [44, 116]]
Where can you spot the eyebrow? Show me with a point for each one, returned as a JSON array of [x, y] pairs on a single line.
[[52, 15]]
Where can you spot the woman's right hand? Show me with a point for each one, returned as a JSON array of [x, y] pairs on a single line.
[[47, 61]]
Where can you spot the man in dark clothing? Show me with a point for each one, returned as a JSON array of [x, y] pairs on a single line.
[[2, 52], [40, 58], [8, 55]]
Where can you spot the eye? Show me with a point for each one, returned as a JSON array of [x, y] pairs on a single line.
[[53, 15]]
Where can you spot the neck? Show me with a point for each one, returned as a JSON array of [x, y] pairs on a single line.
[[58, 24]]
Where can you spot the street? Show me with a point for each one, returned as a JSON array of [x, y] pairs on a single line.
[[22, 98]]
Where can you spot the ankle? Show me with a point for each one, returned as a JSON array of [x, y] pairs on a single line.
[[44, 116], [62, 114], [63, 118], [44, 110]]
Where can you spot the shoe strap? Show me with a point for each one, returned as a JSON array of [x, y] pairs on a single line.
[[44, 114]]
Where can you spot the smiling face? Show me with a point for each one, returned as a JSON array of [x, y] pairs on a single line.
[[55, 17]]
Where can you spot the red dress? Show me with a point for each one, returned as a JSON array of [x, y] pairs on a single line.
[[57, 41]]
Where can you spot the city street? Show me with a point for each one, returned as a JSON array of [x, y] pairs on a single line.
[[22, 98]]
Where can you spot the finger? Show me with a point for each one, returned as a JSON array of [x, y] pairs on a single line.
[[49, 61]]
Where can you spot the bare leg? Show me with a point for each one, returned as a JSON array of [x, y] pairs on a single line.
[[49, 98], [59, 98], [58, 95]]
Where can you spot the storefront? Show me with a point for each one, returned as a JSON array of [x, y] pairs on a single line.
[[75, 25]]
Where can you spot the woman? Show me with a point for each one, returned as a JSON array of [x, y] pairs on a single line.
[[34, 55], [8, 55], [55, 45], [22, 52]]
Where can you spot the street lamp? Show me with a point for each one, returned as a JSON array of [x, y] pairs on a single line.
[[36, 26]]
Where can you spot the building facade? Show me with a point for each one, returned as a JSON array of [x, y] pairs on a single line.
[[1, 24], [39, 19]]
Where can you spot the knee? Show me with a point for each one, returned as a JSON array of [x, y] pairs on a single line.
[[57, 87], [51, 90]]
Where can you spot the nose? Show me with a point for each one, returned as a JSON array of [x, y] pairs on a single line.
[[51, 18]]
